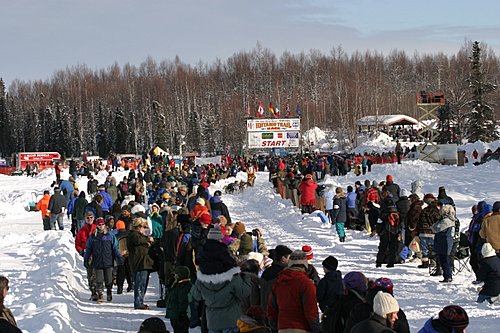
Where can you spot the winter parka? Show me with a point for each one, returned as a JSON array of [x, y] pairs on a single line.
[[330, 290], [219, 208], [339, 208], [43, 204], [178, 299], [222, 294], [107, 201], [82, 236], [57, 202], [489, 273], [292, 303], [79, 207], [308, 193], [364, 310], [443, 229], [394, 189], [428, 217], [103, 247], [267, 280], [375, 324], [138, 249], [490, 230], [328, 196]]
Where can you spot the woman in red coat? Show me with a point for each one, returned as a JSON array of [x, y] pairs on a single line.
[[308, 194]]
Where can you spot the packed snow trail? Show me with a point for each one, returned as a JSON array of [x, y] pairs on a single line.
[[48, 281], [419, 294]]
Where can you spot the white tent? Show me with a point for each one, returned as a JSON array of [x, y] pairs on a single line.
[[387, 120]]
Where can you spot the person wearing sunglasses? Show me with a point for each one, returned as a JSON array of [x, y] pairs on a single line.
[[7, 322], [102, 247]]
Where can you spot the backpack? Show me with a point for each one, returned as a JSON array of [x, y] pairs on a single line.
[[394, 222]]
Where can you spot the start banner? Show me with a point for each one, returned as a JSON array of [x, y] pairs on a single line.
[[273, 139]]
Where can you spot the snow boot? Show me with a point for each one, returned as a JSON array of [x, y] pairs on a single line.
[[109, 294], [425, 263], [94, 295], [100, 297], [119, 290], [342, 239]]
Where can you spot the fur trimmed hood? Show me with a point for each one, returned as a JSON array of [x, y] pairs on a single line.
[[218, 278]]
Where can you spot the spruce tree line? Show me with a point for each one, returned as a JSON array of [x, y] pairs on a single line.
[[130, 109]]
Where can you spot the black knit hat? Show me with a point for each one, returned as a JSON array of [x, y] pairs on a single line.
[[331, 263], [153, 325], [454, 316], [281, 251]]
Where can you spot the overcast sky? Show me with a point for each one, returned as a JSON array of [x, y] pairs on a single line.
[[40, 37]]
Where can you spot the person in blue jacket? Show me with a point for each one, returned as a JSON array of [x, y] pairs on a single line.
[[107, 201], [451, 318], [102, 246]]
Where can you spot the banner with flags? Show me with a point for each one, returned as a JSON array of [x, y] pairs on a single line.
[[271, 107], [260, 110], [287, 110]]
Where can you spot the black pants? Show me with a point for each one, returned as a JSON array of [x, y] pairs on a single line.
[[123, 273], [181, 324], [387, 247]]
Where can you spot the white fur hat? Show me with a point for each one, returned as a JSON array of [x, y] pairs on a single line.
[[137, 208], [256, 256], [488, 251], [384, 303]]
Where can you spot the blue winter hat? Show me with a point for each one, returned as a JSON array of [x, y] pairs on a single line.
[[356, 281]]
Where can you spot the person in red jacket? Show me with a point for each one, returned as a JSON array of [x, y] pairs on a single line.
[[293, 303], [308, 194], [80, 245]]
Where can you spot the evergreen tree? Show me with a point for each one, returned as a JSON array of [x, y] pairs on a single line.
[[481, 121], [102, 138], [121, 131], [443, 114], [5, 133], [160, 134]]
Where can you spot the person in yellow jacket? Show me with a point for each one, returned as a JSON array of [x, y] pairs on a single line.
[[490, 228], [251, 175]]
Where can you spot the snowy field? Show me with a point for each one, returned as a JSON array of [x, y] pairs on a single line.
[[48, 286]]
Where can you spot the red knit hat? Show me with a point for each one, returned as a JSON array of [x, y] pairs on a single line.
[[388, 178], [309, 251], [205, 218]]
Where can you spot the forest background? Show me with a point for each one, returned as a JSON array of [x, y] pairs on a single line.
[[130, 109]]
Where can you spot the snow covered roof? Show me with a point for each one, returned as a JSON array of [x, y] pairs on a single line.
[[387, 120]]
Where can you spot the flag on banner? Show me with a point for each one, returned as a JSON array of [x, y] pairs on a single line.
[[260, 110], [287, 110], [276, 112], [298, 111], [248, 110], [271, 107]]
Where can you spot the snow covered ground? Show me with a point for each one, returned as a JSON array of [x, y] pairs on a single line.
[[48, 286]]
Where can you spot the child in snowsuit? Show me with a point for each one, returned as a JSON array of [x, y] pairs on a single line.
[[177, 302]]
